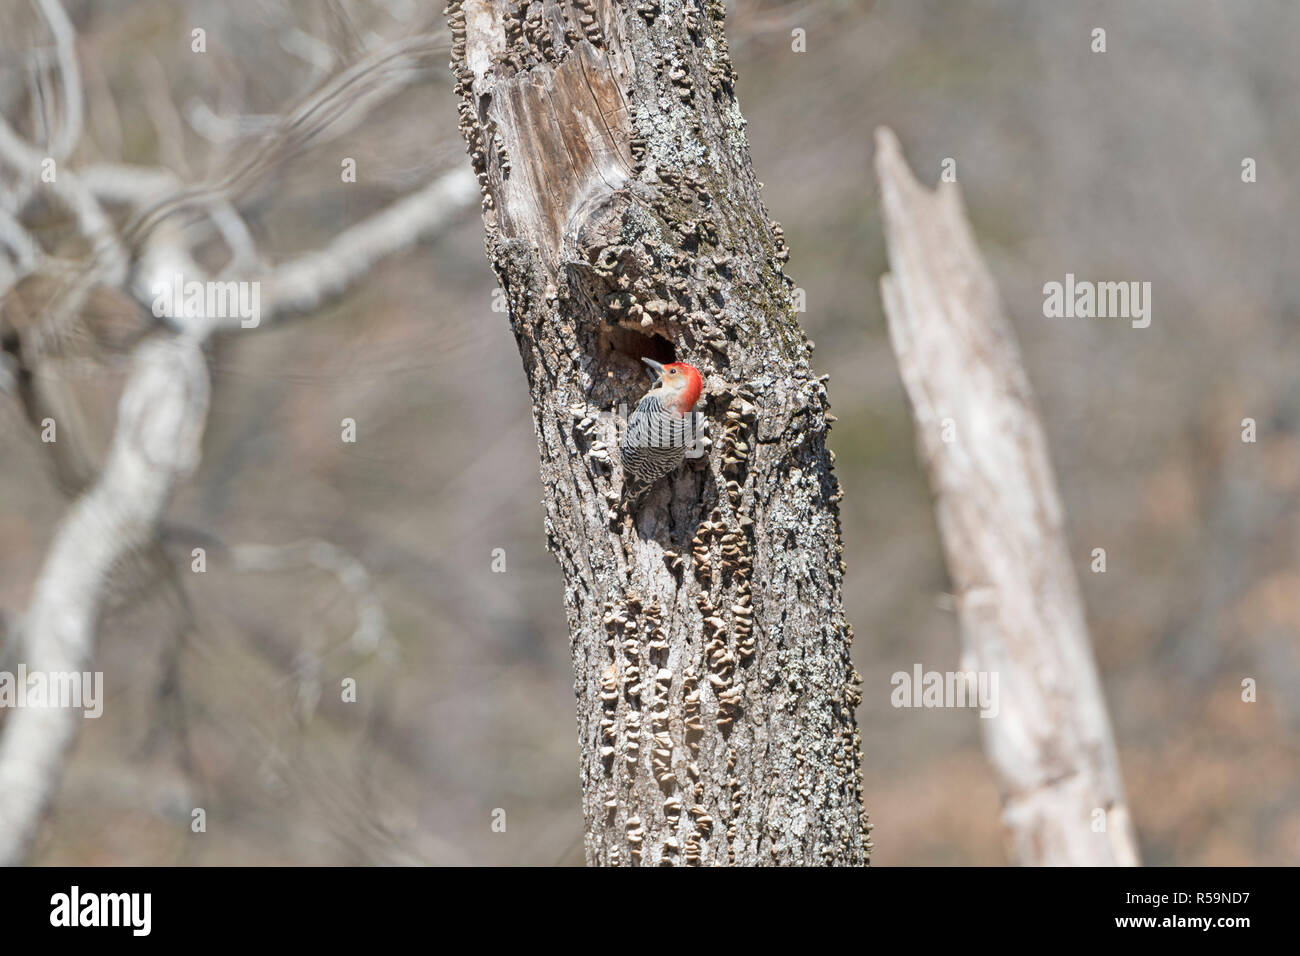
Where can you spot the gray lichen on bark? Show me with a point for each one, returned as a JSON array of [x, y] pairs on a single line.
[[715, 691]]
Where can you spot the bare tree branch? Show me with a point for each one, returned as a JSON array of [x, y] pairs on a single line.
[[372, 623], [160, 424], [65, 47], [326, 113], [162, 411], [303, 283], [1003, 531]]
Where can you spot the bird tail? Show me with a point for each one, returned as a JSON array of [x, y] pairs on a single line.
[[634, 493]]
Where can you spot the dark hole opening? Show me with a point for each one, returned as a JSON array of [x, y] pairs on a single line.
[[621, 352], [626, 347]]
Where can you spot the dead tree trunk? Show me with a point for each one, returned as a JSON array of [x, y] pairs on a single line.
[[1003, 531], [715, 693]]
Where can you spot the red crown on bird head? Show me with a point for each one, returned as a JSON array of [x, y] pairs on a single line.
[[683, 381]]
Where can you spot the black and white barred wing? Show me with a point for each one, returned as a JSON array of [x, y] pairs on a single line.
[[657, 440]]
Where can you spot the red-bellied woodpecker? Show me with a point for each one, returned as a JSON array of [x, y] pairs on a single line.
[[664, 429]]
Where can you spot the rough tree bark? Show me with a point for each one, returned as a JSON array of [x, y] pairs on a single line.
[[1003, 531], [715, 692]]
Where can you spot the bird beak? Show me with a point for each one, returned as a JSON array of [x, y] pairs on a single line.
[[656, 370]]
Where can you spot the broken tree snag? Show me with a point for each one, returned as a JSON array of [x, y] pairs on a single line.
[[715, 693], [1003, 531]]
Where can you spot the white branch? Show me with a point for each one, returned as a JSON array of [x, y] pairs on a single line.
[[326, 113], [65, 47], [1003, 531], [162, 412], [21, 245], [372, 624], [302, 284], [75, 196], [141, 185], [160, 424], [125, 183]]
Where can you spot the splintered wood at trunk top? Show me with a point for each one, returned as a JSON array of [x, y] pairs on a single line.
[[715, 692]]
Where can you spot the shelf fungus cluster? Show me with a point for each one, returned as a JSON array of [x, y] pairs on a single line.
[[737, 433], [644, 705], [638, 285], [587, 21], [658, 277], [593, 442], [685, 202], [637, 649], [534, 32], [721, 75], [479, 138]]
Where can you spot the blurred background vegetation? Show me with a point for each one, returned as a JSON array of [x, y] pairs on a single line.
[[1116, 166]]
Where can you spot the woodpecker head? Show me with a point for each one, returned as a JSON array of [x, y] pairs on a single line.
[[677, 384]]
